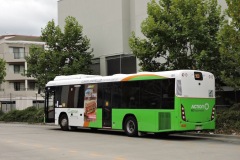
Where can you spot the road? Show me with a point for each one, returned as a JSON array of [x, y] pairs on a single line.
[[46, 142]]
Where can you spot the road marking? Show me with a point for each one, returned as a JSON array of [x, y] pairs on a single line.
[[37, 145], [119, 158], [73, 151], [53, 148], [96, 154], [24, 144]]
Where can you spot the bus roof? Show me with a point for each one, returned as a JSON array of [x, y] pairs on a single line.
[[84, 79]]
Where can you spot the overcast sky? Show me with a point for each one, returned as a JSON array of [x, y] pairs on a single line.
[[26, 17]]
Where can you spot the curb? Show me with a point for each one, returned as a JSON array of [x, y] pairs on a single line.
[[210, 134], [213, 135]]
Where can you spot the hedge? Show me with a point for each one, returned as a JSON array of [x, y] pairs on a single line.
[[228, 121], [29, 115]]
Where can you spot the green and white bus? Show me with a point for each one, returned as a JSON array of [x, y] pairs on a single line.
[[147, 102]]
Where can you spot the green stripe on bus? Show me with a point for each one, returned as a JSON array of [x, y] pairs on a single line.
[[143, 77]]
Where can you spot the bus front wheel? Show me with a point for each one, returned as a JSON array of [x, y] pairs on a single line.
[[131, 126], [64, 122]]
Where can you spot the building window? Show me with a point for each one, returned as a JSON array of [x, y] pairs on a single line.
[[95, 66], [18, 86], [18, 52], [125, 64], [128, 64], [32, 86], [38, 103], [18, 69], [7, 106]]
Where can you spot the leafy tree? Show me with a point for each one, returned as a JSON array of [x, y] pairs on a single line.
[[2, 70], [67, 52], [230, 45], [179, 34]]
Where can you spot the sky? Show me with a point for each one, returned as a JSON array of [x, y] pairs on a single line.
[[26, 17]]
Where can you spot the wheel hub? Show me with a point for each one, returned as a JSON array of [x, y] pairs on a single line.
[[130, 126], [64, 122]]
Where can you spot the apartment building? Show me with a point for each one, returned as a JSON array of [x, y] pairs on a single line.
[[18, 91]]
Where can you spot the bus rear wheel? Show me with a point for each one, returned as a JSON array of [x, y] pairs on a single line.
[[64, 122], [131, 126]]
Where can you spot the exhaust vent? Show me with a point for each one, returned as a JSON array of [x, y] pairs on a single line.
[[164, 121]]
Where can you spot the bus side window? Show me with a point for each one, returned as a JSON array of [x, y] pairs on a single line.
[[168, 86], [71, 96], [107, 94], [151, 94], [130, 94], [116, 95], [100, 96], [81, 97], [64, 97], [57, 96]]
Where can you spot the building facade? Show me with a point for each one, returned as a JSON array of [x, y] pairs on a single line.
[[18, 91], [108, 24]]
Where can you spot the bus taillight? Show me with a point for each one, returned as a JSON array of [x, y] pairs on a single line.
[[213, 113], [183, 113]]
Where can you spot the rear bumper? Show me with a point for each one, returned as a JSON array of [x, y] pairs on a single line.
[[188, 126]]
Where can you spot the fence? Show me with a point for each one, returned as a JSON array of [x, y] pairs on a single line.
[[19, 103]]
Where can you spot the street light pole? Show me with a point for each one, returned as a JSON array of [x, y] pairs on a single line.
[[120, 63], [36, 101], [11, 102]]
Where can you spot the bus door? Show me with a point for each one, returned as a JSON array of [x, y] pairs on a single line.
[[48, 106], [107, 108]]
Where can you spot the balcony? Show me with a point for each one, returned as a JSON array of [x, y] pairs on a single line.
[[15, 57], [12, 77]]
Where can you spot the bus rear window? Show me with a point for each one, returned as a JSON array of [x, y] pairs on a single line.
[[198, 76]]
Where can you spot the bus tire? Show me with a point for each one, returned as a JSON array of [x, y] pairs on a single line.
[[131, 126], [64, 122]]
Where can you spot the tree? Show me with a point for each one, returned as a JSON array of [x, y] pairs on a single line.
[[179, 34], [2, 70], [230, 45], [67, 52]]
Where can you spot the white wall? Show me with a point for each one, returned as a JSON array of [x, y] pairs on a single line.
[[23, 104], [101, 20], [140, 15]]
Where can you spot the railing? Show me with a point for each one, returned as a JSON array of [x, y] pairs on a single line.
[[10, 56], [17, 101]]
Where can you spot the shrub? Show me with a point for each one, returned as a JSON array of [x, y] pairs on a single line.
[[228, 121], [30, 115], [1, 113]]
